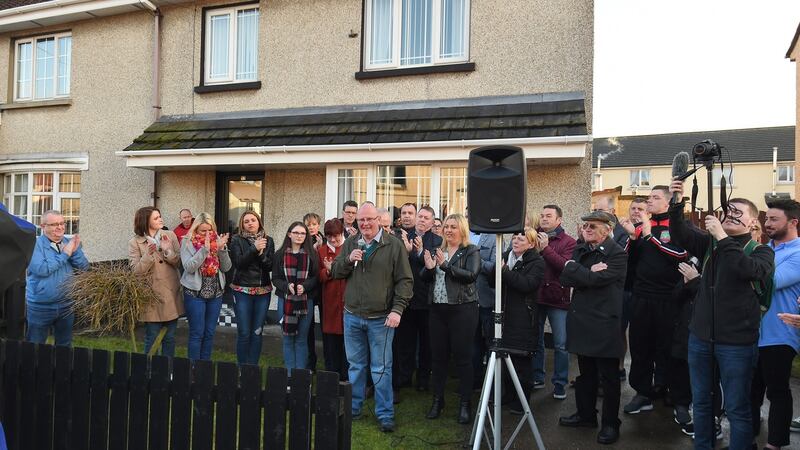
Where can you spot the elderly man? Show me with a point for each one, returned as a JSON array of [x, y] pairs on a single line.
[[606, 204], [379, 286], [385, 219], [54, 260], [729, 292], [596, 273]]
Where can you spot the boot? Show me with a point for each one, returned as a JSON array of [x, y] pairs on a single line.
[[436, 407], [464, 412]]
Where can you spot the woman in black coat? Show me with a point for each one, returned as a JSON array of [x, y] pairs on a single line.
[[251, 255], [523, 271], [451, 273], [596, 273]]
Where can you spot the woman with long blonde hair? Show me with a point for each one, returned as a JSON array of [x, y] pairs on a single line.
[[205, 259]]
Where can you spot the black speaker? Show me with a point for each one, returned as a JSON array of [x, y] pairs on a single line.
[[496, 189]]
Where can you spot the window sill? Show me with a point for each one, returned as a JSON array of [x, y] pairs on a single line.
[[445, 68], [36, 104], [251, 85]]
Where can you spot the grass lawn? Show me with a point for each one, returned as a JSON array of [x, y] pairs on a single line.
[[413, 430], [796, 368]]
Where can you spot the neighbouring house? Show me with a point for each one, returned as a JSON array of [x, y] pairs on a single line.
[[793, 54], [285, 107], [637, 163]]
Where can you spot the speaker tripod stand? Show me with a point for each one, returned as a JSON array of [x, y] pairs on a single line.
[[494, 378]]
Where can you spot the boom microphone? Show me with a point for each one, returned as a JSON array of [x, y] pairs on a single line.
[[680, 165], [362, 245]]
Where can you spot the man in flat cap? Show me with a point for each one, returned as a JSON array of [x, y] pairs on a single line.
[[596, 273]]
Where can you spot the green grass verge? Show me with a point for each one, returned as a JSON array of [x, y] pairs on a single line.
[[413, 430]]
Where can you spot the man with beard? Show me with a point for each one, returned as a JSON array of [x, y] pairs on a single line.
[[731, 292], [412, 334], [778, 342]]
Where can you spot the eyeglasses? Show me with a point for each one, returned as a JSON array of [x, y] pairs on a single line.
[[298, 233], [55, 225], [589, 226], [367, 219]]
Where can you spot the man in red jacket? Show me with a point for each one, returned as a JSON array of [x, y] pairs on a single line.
[[556, 247]]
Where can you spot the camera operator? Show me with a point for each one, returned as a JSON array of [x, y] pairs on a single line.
[[730, 285]]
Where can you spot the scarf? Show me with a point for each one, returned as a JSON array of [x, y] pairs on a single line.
[[512, 259], [210, 265], [295, 268], [155, 239]]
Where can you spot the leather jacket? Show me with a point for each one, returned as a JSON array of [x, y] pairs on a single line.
[[461, 272], [250, 268]]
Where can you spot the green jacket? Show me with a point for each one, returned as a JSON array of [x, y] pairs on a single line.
[[381, 284]]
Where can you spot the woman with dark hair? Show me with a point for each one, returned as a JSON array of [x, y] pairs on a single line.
[[251, 255], [295, 274], [155, 253], [333, 301], [205, 259], [451, 273]]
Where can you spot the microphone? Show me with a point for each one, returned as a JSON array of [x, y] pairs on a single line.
[[680, 165], [362, 245]]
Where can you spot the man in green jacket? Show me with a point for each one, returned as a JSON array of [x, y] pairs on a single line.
[[379, 286]]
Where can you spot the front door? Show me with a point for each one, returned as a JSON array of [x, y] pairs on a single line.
[[236, 193]]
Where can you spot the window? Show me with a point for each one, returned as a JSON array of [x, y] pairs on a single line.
[[231, 45], [452, 190], [408, 33], [597, 181], [715, 177], [42, 67], [352, 185], [786, 174], [29, 195], [397, 185], [640, 177]]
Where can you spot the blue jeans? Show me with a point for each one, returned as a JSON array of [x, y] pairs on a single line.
[[736, 364], [59, 317], [202, 316], [370, 341], [250, 310], [558, 323], [295, 348], [151, 330]]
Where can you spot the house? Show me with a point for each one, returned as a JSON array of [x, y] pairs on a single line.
[[793, 54], [285, 106], [636, 163]]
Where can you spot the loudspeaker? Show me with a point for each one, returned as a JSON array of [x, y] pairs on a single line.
[[496, 189]]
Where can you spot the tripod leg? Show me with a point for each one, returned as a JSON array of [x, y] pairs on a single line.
[[525, 405], [498, 406], [483, 408]]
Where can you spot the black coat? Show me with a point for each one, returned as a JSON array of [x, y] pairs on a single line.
[[461, 271], [430, 242], [593, 320], [683, 296], [249, 268], [279, 276], [520, 287]]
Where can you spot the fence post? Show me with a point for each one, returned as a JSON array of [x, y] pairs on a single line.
[[159, 403], [10, 412], [227, 384], [118, 414], [98, 425], [275, 409], [181, 415], [79, 399], [250, 407], [203, 422], [62, 429], [346, 423], [300, 410], [326, 410], [138, 411]]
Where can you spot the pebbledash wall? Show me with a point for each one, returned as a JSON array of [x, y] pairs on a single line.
[[307, 59], [110, 105]]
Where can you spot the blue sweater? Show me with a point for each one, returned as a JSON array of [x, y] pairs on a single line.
[[50, 271], [787, 290]]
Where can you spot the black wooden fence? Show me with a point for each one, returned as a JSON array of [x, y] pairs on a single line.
[[54, 398]]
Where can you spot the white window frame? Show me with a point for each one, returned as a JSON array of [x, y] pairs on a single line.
[[32, 40], [9, 197], [232, 44], [791, 173], [639, 173], [436, 15], [332, 182], [730, 177]]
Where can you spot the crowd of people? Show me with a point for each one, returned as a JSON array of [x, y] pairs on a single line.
[[400, 299]]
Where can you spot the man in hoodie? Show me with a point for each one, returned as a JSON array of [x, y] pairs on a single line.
[[728, 289], [54, 261]]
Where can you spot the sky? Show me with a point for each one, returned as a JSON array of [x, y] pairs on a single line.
[[692, 65]]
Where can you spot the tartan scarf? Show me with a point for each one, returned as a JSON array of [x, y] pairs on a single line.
[[210, 265], [295, 267]]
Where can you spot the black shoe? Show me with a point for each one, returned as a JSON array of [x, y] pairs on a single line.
[[464, 413], [577, 421], [607, 435], [387, 426], [436, 408]]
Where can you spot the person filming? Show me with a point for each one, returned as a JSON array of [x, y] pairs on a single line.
[[734, 302]]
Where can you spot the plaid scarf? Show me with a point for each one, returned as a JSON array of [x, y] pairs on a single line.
[[210, 265], [295, 267]]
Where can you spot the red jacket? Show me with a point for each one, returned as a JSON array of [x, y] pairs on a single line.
[[558, 251], [332, 293], [180, 231]]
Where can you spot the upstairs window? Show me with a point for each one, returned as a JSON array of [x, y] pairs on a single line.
[[42, 67], [716, 176], [231, 44], [409, 33], [786, 174], [640, 178]]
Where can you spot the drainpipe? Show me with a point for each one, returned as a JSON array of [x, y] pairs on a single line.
[[156, 87], [774, 169]]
